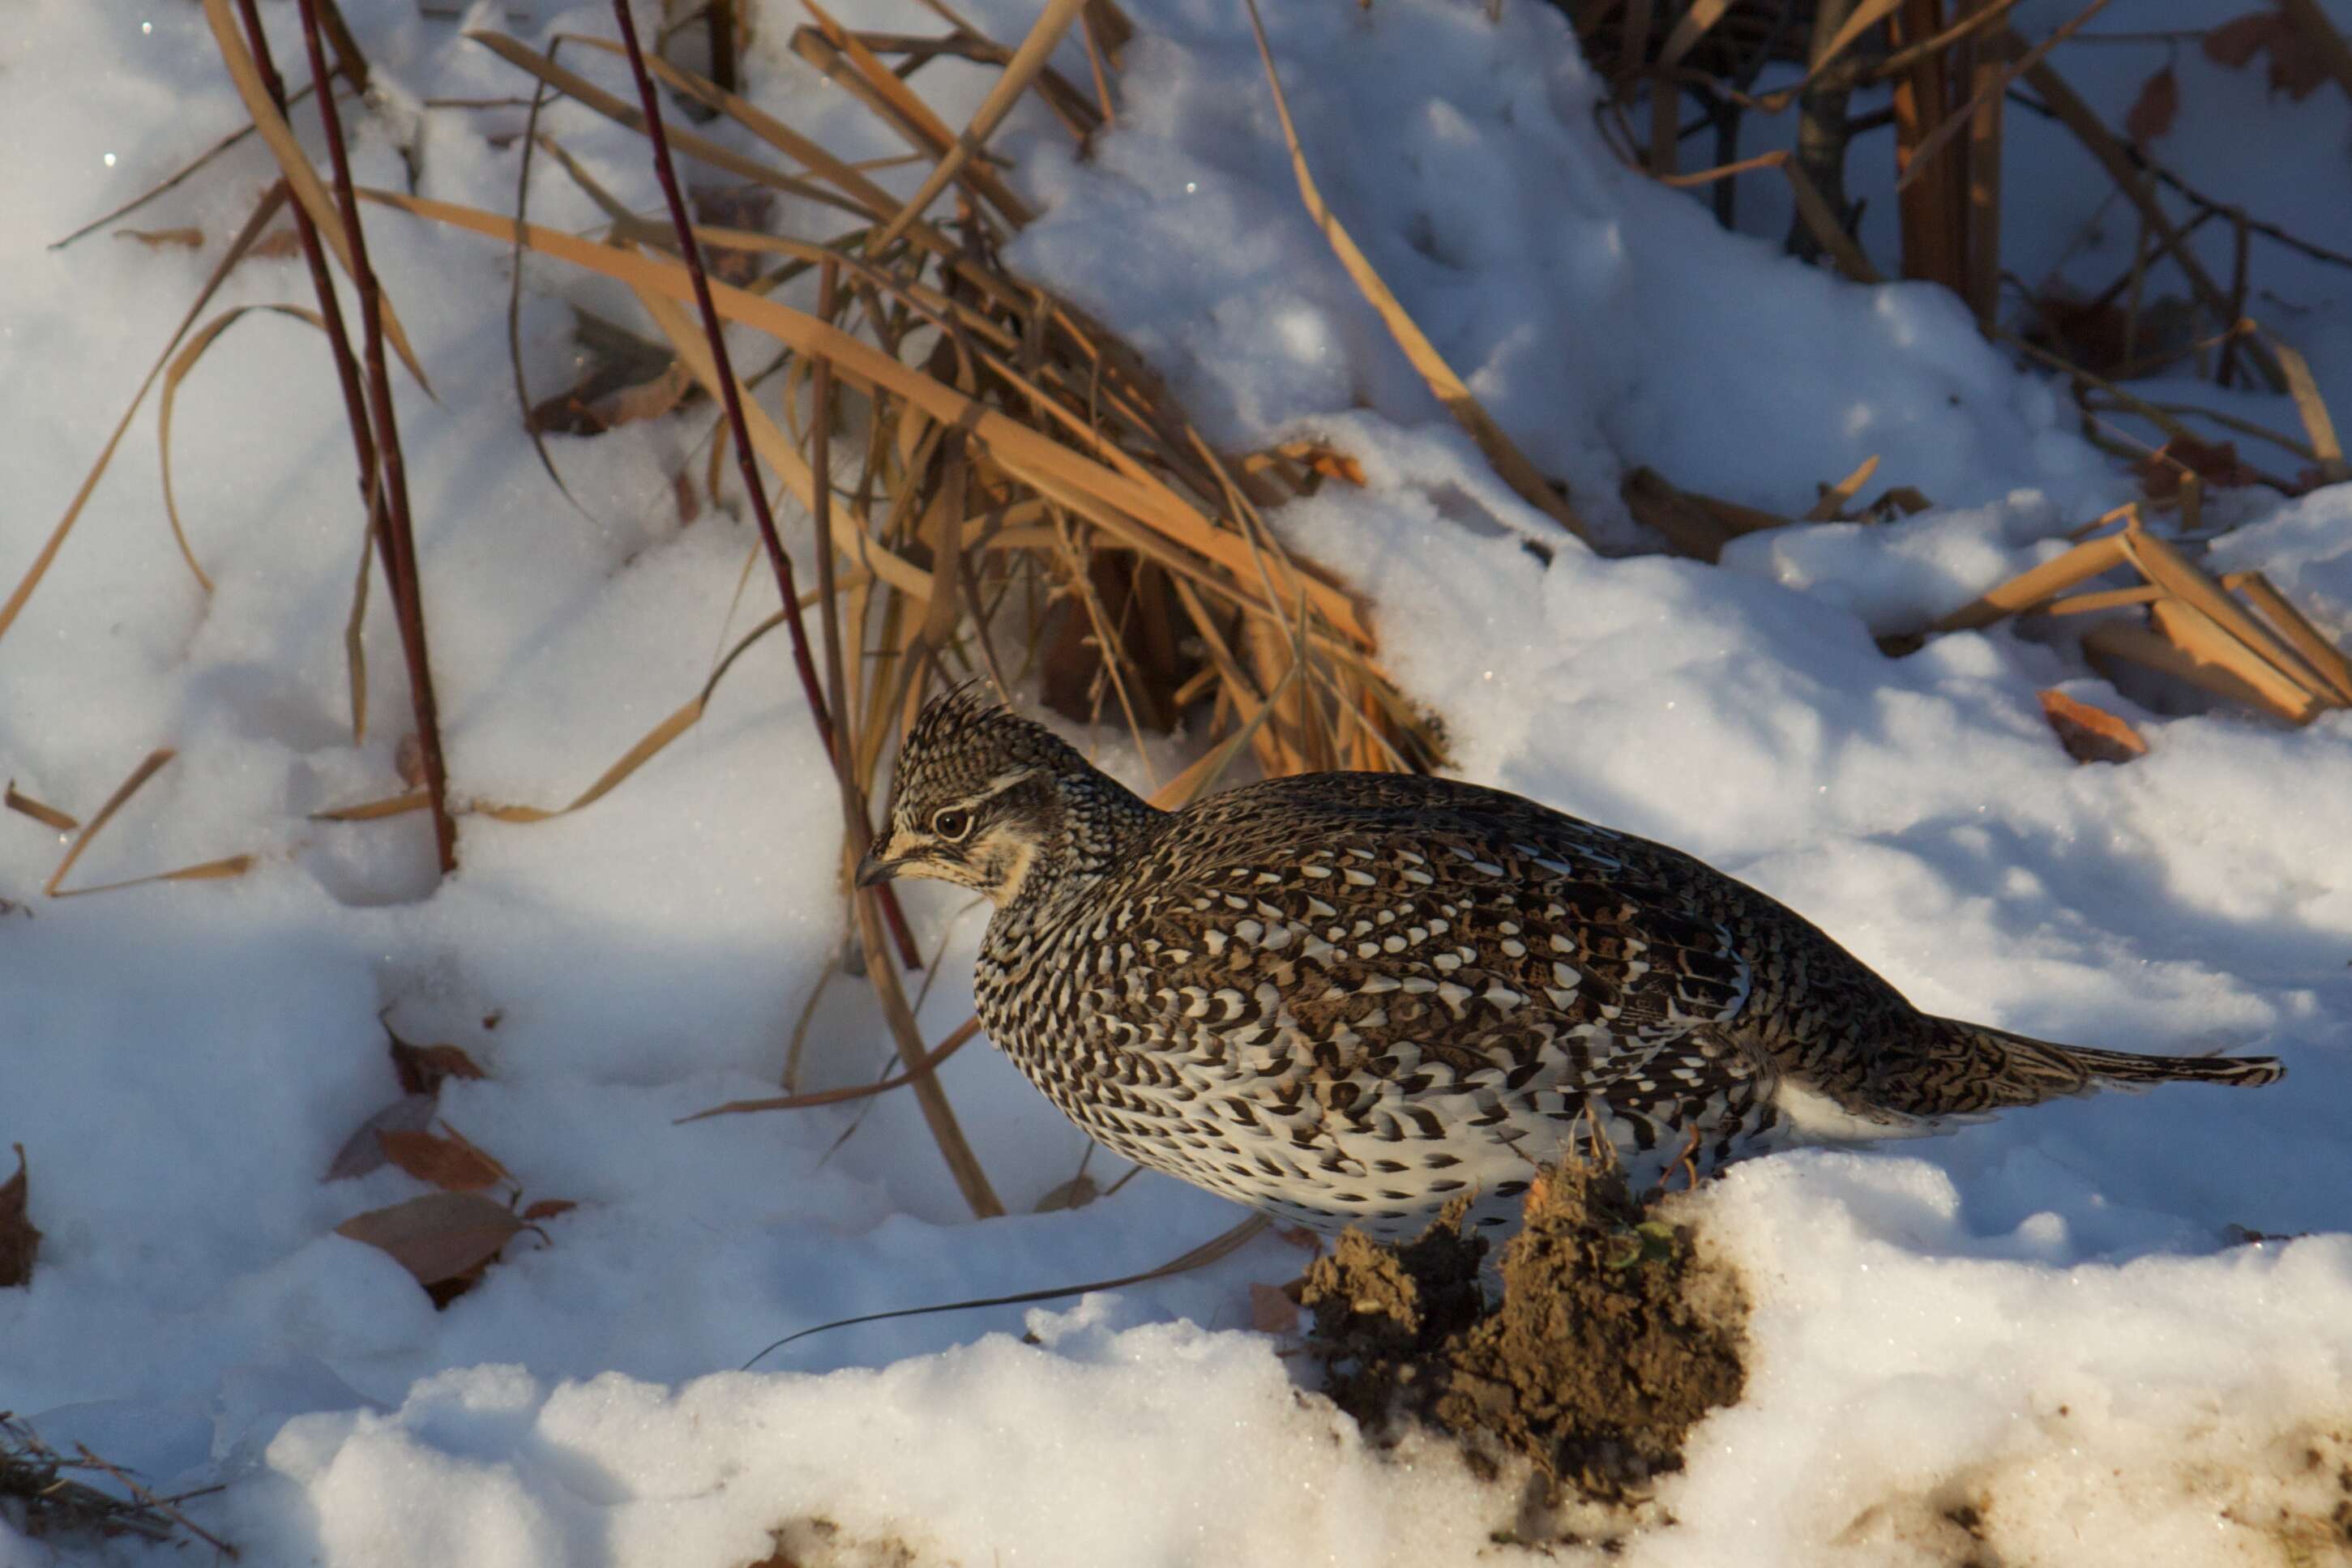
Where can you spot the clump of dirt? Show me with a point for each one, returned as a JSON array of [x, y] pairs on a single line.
[[816, 1541], [1615, 1334]]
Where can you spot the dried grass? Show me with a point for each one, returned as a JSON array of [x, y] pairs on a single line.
[[40, 1497], [1015, 471], [2236, 637]]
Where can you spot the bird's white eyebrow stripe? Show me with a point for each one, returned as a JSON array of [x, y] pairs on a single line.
[[999, 785]]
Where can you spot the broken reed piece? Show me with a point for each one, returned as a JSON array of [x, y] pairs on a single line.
[[2090, 734], [2317, 650], [2181, 643], [1695, 525], [1835, 498], [2164, 566], [2264, 653], [2029, 588]]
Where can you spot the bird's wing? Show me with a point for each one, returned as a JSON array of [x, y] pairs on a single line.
[[1377, 952]]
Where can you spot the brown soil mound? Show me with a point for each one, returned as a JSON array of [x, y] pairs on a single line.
[[1615, 1334]]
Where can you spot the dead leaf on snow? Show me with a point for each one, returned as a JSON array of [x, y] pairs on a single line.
[[618, 377], [1076, 1193], [1272, 1310], [408, 760], [451, 1162], [19, 1242], [2215, 462], [422, 1068], [443, 1239], [363, 1151], [275, 246], [748, 207], [2090, 734], [548, 1208]]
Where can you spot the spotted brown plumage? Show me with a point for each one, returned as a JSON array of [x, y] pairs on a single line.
[[1345, 998]]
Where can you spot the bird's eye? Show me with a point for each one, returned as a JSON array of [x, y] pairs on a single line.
[[951, 824]]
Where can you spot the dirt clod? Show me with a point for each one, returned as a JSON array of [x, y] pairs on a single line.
[[1616, 1332]]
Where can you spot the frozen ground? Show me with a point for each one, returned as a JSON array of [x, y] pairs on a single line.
[[2038, 1331]]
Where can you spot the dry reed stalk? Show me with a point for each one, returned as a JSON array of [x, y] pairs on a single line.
[[1016, 459], [1450, 389], [153, 764], [1933, 205], [1027, 456], [2262, 653], [2085, 560], [1987, 77], [1837, 498], [872, 908]]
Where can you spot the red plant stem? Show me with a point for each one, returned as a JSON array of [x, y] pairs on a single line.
[[407, 596], [331, 308], [746, 463], [836, 690]]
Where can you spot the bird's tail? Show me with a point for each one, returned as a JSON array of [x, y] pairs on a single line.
[[1976, 1069]]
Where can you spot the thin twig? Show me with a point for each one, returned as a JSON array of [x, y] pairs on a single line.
[[400, 564], [746, 462], [970, 1179], [2208, 207], [162, 1505], [957, 1039], [1209, 1251]]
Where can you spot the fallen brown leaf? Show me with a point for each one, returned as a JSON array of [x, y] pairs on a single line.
[[442, 1238], [1272, 1310], [1076, 1193], [19, 1242], [450, 1162], [2215, 462], [2090, 734], [276, 247], [748, 207], [1298, 1236], [2236, 42], [2153, 112], [364, 1152], [1899, 501], [2296, 68], [594, 406], [420, 1068], [408, 760], [548, 1208]]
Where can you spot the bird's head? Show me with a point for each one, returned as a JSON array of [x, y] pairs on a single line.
[[980, 795]]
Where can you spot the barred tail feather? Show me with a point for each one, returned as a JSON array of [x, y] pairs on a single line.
[[2125, 1070], [1973, 1068]]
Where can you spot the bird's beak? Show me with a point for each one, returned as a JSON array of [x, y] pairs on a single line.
[[874, 866]]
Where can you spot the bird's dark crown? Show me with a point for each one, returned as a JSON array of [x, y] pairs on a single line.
[[998, 803]]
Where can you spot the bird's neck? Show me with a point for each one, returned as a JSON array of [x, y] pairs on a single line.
[[1094, 827]]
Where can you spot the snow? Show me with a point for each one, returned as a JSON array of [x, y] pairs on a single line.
[[2040, 1324]]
